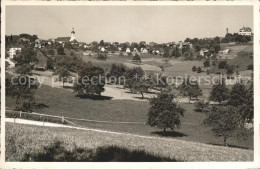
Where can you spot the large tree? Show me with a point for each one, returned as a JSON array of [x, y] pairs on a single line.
[[91, 80], [225, 122], [190, 89], [63, 74], [219, 92], [21, 86], [141, 86], [238, 95], [164, 112]]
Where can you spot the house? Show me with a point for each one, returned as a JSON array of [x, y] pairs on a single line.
[[24, 40], [245, 31], [144, 51], [9, 63], [185, 44], [226, 51], [204, 51], [128, 50], [13, 51]]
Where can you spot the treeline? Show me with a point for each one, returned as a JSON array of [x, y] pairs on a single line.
[[235, 37]]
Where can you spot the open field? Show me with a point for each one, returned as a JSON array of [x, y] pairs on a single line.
[[61, 102], [33, 138]]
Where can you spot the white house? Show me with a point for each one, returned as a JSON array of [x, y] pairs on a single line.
[[12, 52], [203, 51], [245, 31], [144, 51], [127, 50]]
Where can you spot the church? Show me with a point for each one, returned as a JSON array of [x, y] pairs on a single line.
[[72, 38]]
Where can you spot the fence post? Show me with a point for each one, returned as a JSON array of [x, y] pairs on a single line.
[[20, 114], [62, 119]]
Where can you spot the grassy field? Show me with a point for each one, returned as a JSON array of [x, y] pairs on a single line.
[[26, 139], [62, 102]]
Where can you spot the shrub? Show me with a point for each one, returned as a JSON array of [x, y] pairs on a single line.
[[250, 67], [199, 70], [194, 68], [102, 56], [222, 64]]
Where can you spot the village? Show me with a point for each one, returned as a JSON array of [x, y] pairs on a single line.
[[129, 84]]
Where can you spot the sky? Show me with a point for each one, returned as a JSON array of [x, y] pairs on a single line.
[[127, 23]]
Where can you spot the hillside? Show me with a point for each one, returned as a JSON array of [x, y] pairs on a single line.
[[33, 138]]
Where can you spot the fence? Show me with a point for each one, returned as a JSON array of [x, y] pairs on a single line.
[[58, 119], [37, 117]]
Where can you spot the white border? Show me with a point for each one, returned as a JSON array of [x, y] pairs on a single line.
[[125, 165]]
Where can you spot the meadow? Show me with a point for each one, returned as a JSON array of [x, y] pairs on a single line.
[[26, 139], [61, 102]]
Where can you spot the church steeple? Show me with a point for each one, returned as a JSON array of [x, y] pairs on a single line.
[[72, 37]]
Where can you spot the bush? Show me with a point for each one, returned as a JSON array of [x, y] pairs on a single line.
[[102, 56], [136, 58], [194, 68], [200, 106], [199, 70], [250, 67], [222, 64]]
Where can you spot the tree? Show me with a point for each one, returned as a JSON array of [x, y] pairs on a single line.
[[136, 58], [24, 60], [141, 85], [60, 50], [102, 56], [225, 122], [131, 75], [206, 63], [63, 74], [51, 52], [91, 80], [250, 67], [190, 89], [22, 89], [199, 70], [247, 107], [164, 112], [194, 68], [238, 94], [219, 92], [230, 71], [222, 64], [50, 63], [200, 106], [117, 71]]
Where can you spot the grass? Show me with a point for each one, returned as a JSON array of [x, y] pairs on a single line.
[[62, 102], [58, 152], [26, 139]]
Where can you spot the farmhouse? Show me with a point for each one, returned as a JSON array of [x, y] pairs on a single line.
[[144, 51], [245, 31], [128, 50], [13, 51], [204, 51]]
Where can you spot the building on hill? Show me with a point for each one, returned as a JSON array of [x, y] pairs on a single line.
[[245, 31]]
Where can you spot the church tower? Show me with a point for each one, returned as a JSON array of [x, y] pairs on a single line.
[[72, 37], [227, 31]]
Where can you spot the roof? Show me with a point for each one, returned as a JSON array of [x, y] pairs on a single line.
[[64, 39], [245, 29]]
